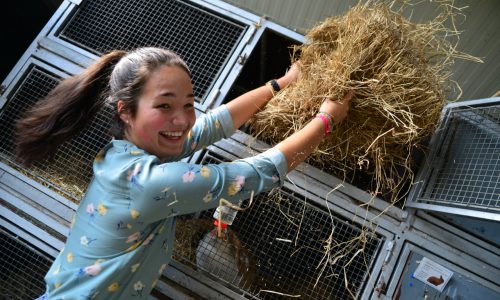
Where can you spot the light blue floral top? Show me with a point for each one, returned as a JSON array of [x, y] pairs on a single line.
[[122, 235]]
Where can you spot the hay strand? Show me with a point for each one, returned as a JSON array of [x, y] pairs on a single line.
[[400, 74]]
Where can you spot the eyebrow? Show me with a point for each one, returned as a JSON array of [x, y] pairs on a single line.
[[166, 94], [171, 94]]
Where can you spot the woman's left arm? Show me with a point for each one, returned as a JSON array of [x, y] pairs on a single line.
[[245, 106], [224, 120]]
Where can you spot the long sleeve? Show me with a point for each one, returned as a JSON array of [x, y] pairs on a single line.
[[158, 191], [208, 129]]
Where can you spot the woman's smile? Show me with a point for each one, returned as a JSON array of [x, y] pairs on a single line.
[[171, 134], [174, 137]]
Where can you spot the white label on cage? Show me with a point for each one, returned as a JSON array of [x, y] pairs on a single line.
[[432, 274]]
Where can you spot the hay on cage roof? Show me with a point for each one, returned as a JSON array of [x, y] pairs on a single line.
[[400, 73]]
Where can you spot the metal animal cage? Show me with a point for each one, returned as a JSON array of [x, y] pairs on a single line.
[[299, 248], [36, 84], [462, 173], [210, 43], [71, 170], [206, 40]]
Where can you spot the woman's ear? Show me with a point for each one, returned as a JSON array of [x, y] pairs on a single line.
[[124, 115]]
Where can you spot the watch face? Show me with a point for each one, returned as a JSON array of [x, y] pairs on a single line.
[[274, 84]]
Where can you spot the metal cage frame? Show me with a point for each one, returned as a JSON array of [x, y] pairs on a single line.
[[451, 261], [441, 155], [409, 226]]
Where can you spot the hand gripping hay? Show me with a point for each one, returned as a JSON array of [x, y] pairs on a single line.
[[400, 73]]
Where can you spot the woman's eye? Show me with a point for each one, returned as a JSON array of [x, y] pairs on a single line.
[[164, 106], [188, 106]]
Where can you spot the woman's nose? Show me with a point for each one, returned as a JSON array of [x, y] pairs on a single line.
[[180, 119]]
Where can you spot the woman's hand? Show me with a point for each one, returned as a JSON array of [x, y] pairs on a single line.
[[337, 109], [291, 76], [299, 145], [246, 105]]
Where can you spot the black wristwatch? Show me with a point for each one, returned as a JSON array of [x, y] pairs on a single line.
[[274, 85]]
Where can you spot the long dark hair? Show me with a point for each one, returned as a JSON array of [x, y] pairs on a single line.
[[71, 105]]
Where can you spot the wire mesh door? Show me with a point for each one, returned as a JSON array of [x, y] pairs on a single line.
[[462, 173], [71, 169], [283, 245], [204, 39]]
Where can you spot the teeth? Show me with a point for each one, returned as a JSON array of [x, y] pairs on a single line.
[[172, 133]]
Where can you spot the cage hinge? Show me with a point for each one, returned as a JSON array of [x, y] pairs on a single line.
[[389, 248], [381, 287], [2, 89], [76, 2], [242, 59], [256, 26]]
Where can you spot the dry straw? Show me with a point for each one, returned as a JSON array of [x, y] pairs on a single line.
[[400, 73]]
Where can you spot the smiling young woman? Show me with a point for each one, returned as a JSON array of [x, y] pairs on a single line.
[[122, 235]]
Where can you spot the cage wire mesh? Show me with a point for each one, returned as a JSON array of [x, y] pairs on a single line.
[[205, 40], [296, 248], [71, 169], [22, 268], [466, 165]]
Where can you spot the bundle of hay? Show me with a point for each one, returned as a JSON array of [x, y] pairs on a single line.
[[399, 72]]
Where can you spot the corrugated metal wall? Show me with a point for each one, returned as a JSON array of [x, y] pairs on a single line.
[[480, 36]]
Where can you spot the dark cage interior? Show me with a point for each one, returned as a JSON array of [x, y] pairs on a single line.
[[270, 59], [297, 246]]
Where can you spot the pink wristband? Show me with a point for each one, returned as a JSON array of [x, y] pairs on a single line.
[[326, 122]]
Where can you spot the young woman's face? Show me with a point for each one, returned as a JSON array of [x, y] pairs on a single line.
[[165, 113]]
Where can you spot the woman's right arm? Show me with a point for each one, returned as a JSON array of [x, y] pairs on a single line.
[[301, 144]]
